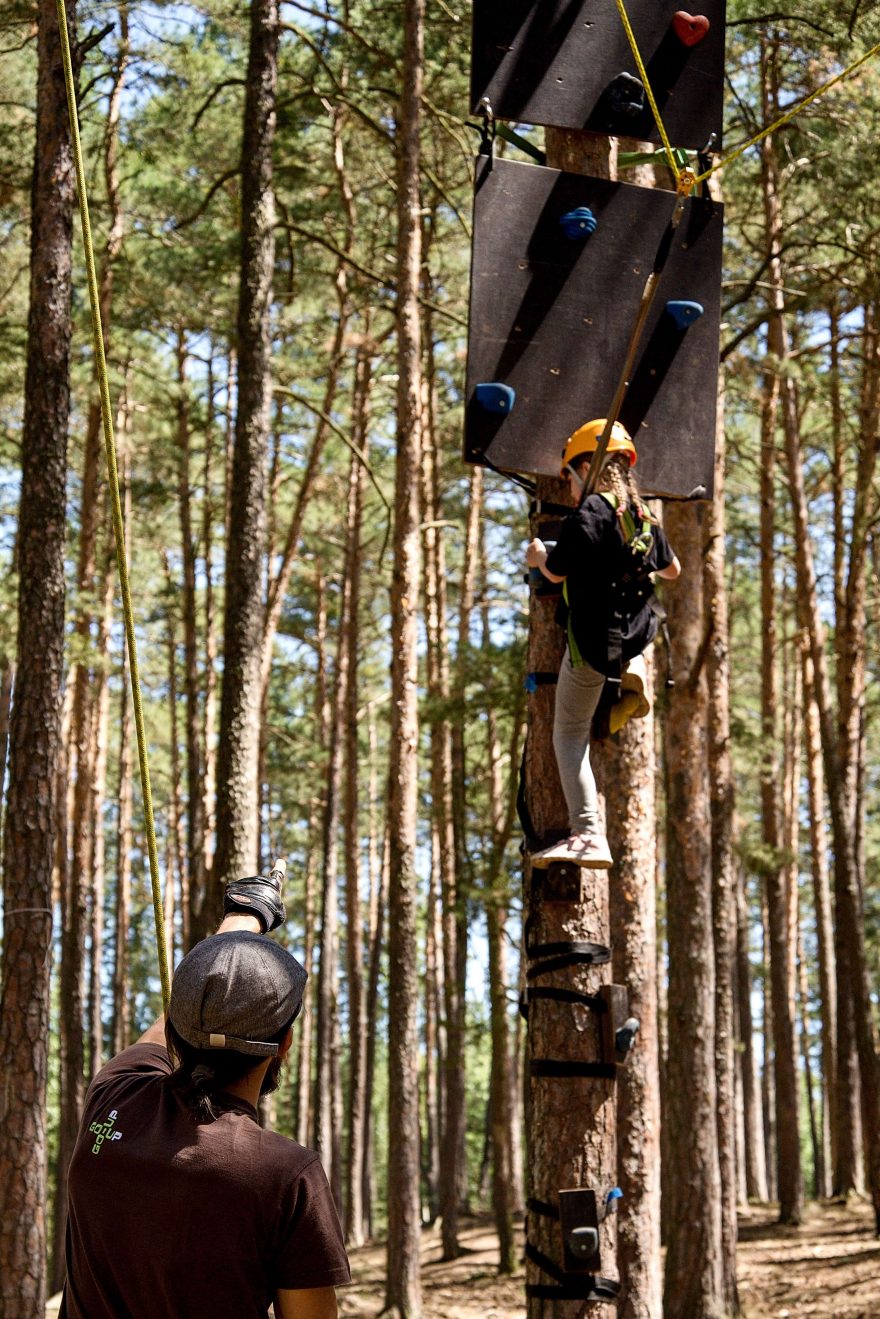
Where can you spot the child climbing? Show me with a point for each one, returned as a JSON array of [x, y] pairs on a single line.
[[608, 550]]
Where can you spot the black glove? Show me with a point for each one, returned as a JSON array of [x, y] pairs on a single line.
[[258, 896]]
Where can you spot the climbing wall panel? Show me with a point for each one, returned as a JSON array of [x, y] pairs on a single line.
[[558, 62], [551, 316]]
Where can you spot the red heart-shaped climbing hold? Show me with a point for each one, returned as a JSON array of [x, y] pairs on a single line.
[[689, 28]]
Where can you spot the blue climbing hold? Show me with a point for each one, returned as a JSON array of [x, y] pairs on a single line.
[[579, 223], [684, 313], [494, 397]]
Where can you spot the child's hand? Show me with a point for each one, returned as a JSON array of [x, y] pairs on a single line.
[[536, 553]]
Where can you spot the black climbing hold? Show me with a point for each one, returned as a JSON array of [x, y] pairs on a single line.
[[583, 1242], [579, 223], [626, 96], [495, 397], [625, 1037], [684, 313]]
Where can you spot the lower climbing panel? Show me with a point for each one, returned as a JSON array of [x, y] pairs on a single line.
[[551, 317]]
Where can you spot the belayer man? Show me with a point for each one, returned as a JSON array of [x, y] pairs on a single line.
[[609, 549], [179, 1202]]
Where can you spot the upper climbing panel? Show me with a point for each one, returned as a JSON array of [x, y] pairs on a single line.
[[569, 63]]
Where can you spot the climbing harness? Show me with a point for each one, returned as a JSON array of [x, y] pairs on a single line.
[[116, 503]]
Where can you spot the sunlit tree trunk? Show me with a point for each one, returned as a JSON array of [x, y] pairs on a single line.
[[354, 1192], [36, 713], [321, 718], [237, 754], [403, 1290], [753, 1119], [824, 925], [694, 1284]]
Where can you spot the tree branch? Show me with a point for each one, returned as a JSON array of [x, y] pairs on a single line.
[[228, 82]]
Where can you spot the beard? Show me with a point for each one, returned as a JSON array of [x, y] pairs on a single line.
[[272, 1079]]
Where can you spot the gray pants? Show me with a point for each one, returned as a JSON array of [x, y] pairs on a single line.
[[577, 695]]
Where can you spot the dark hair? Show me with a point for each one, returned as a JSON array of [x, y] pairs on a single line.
[[202, 1073]]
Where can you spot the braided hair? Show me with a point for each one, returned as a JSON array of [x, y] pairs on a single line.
[[618, 479]]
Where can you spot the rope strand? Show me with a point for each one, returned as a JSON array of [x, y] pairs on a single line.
[[116, 503]]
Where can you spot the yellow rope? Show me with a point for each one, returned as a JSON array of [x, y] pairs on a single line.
[[643, 74], [116, 503], [789, 114], [684, 179]]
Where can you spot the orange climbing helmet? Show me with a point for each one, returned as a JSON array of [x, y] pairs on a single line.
[[586, 440]]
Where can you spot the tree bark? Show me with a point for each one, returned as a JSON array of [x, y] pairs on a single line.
[[244, 620], [502, 808], [122, 905], [195, 802], [788, 1162], [354, 1202], [403, 1294], [305, 1108], [824, 927], [448, 855], [753, 1121], [840, 754], [36, 713], [694, 1286], [724, 877]]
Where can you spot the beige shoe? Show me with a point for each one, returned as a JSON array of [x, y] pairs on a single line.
[[634, 681], [587, 850]]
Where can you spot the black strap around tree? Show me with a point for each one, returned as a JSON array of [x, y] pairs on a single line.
[[569, 1286], [562, 1067], [563, 953], [592, 1001]]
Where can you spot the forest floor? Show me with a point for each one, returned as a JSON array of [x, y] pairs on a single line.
[[829, 1268]]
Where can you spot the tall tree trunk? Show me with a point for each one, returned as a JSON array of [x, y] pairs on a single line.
[[236, 853], [753, 1123], [195, 808], [7, 676], [35, 722], [305, 1109], [433, 1060], [724, 877], [208, 747], [377, 925], [824, 926], [788, 1170], [403, 1295], [450, 875], [768, 1084], [125, 793], [97, 846], [840, 754], [694, 1286], [502, 807], [354, 1188]]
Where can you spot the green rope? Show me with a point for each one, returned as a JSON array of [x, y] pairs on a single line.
[[116, 502]]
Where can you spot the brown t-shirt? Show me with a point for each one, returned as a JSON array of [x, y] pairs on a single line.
[[167, 1218]]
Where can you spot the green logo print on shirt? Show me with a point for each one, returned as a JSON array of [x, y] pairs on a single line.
[[104, 1131]]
